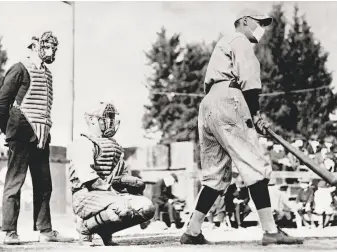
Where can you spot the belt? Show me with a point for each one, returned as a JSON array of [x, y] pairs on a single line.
[[232, 84]]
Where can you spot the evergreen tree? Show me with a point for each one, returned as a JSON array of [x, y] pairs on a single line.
[[289, 62], [176, 70], [3, 59]]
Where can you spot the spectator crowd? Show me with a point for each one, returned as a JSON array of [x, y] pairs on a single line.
[[299, 202]]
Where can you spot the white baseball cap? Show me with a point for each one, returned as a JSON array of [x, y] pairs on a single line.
[[255, 14]]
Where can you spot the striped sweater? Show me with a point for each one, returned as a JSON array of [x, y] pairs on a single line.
[[37, 103], [26, 100]]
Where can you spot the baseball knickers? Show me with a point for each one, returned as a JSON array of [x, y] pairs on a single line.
[[227, 134]]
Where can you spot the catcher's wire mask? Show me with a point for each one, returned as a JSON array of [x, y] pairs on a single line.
[[106, 117]]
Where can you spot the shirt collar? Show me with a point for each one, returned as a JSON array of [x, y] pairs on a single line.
[[39, 64]]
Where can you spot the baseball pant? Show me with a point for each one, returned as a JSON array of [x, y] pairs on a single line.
[[131, 209], [227, 134], [21, 156]]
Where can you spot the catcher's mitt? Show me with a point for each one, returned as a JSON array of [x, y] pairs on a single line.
[[131, 184]]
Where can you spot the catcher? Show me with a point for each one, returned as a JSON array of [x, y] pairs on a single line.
[[106, 199]]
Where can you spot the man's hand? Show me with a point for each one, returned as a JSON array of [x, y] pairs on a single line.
[[260, 124]]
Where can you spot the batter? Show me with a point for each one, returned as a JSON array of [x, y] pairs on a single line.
[[229, 122]]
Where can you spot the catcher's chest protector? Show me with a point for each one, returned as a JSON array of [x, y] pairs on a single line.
[[107, 155]]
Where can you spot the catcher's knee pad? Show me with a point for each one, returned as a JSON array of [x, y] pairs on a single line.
[[105, 217], [143, 206], [148, 209]]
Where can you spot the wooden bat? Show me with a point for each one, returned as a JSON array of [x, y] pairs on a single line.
[[311, 164]]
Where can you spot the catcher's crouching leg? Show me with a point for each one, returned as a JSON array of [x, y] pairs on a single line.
[[105, 217], [102, 224], [143, 208]]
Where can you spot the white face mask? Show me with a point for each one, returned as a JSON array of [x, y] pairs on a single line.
[[258, 33]]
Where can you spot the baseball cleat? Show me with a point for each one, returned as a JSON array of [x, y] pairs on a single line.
[[280, 237], [106, 238], [86, 239], [54, 236], [193, 240], [11, 238]]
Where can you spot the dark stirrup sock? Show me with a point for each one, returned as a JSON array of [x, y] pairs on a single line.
[[205, 201], [260, 194], [207, 197]]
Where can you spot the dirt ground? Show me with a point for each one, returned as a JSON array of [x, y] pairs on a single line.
[[171, 243]]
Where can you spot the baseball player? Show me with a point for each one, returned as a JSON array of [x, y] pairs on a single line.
[[106, 198], [228, 122]]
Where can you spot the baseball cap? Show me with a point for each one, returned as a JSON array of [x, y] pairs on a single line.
[[32, 41], [255, 14]]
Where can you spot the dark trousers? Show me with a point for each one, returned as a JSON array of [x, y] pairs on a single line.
[[166, 207], [21, 156]]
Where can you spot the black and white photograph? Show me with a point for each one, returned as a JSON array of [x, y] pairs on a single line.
[[168, 126]]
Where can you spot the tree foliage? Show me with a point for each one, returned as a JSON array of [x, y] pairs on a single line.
[[292, 59], [176, 70], [3, 59]]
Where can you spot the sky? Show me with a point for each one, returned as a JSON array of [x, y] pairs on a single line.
[[110, 41]]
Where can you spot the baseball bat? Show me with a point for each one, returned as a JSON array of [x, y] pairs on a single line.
[[312, 165]]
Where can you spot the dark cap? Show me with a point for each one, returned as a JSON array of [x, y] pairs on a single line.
[[255, 14], [32, 41]]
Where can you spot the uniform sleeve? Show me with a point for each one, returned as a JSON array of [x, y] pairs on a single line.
[[82, 158], [246, 64], [252, 100], [8, 91]]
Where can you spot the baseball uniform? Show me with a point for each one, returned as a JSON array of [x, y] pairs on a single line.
[[225, 123]]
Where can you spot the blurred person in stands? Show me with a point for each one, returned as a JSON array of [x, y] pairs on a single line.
[[323, 203], [313, 144], [333, 156], [277, 153], [329, 162], [305, 200], [283, 210], [164, 201], [295, 163], [319, 158], [334, 202], [219, 210], [241, 200], [229, 198]]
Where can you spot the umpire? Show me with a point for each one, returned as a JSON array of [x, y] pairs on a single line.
[[26, 99]]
